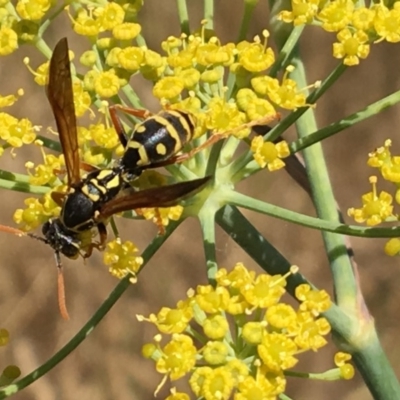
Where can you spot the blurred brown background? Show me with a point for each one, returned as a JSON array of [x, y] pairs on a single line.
[[108, 365]]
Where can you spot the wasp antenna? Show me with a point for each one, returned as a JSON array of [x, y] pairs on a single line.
[[61, 290], [14, 231], [36, 237]]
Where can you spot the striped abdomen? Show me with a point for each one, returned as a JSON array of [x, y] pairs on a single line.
[[157, 139]]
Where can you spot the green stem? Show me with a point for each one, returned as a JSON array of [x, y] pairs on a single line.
[[89, 326], [345, 285], [23, 187], [183, 16], [375, 369], [241, 200], [367, 112], [50, 19], [42, 46], [249, 7], [206, 218], [132, 96], [209, 13], [285, 54], [50, 143], [213, 158]]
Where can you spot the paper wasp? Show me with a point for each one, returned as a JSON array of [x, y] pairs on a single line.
[[94, 198]]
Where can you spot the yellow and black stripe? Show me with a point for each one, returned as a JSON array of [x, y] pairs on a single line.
[[157, 139]]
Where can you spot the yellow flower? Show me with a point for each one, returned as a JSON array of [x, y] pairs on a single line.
[[392, 247], [363, 18], [376, 209], [84, 23], [387, 22], [277, 352], [33, 9], [7, 101], [256, 57], [169, 88], [173, 320], [106, 84], [178, 357], [218, 384], [352, 46], [269, 154], [303, 12], [126, 31], [215, 352], [8, 41], [122, 259], [336, 15], [109, 16]]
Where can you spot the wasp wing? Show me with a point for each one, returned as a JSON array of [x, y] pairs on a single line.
[[164, 196], [60, 95]]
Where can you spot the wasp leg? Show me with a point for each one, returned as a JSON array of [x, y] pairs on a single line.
[[157, 218], [102, 243], [82, 165], [113, 110], [183, 157]]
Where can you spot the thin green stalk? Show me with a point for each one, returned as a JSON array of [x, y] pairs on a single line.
[[50, 143], [213, 158], [367, 112], [241, 200], [345, 284], [88, 328], [22, 186], [50, 19], [42, 46], [285, 54], [209, 13], [249, 7], [207, 223], [183, 16], [132, 96], [374, 367], [244, 28]]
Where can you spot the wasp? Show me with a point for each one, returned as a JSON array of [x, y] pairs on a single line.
[[91, 200]]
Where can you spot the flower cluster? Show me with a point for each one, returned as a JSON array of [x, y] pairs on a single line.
[[356, 25], [190, 74], [239, 337], [122, 260], [379, 208], [14, 132]]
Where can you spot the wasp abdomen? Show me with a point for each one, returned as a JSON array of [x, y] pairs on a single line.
[[158, 138]]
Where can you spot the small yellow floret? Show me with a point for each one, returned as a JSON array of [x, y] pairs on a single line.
[[122, 259], [8, 41], [351, 46], [376, 209], [269, 154]]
